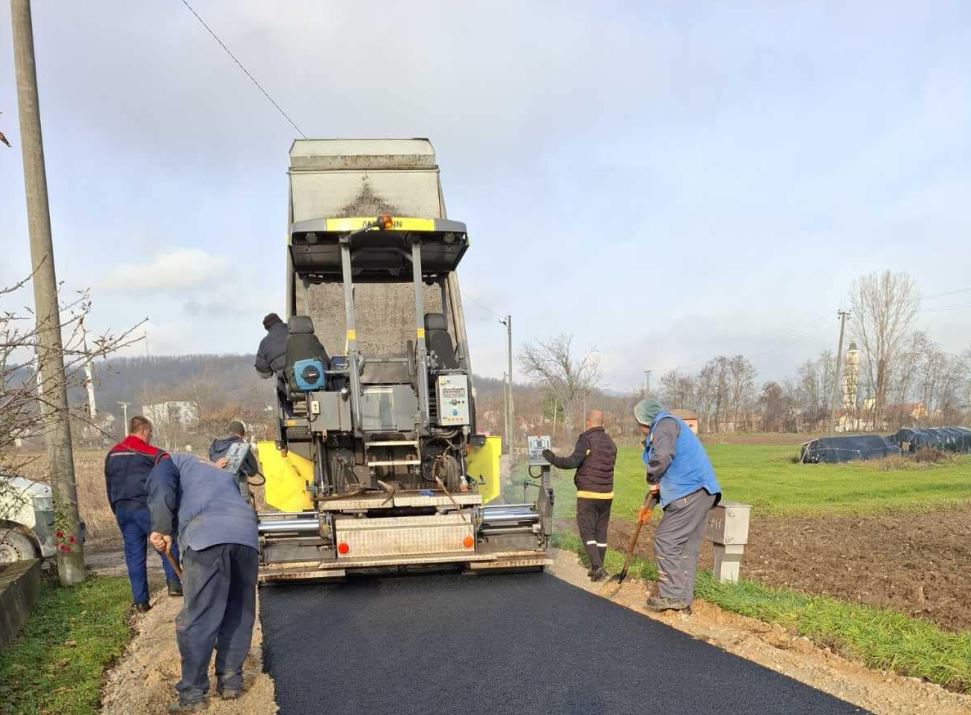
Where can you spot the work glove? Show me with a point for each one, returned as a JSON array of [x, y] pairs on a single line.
[[548, 455]]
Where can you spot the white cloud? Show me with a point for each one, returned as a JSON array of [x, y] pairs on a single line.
[[177, 269]]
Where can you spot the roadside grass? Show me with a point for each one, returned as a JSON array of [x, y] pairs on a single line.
[[878, 638], [766, 477], [57, 662]]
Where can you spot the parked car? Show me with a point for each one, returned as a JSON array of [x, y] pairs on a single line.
[[26, 519]]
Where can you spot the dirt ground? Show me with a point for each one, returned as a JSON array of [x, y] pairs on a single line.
[[773, 647], [915, 563], [143, 681]]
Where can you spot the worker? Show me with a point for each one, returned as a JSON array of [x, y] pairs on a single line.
[[217, 529], [235, 434], [680, 474], [271, 357], [593, 457], [127, 467]]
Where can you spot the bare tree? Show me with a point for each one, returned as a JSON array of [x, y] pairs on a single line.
[[884, 306], [773, 402], [815, 380], [678, 390], [741, 383], [552, 363], [22, 401]]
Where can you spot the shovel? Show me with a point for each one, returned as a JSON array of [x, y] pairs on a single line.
[[642, 518]]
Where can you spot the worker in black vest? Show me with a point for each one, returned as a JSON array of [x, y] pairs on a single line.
[[593, 457]]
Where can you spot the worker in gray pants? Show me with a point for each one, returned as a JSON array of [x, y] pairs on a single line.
[[679, 471], [218, 532]]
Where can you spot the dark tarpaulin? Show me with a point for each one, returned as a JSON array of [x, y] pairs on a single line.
[[949, 439], [830, 450]]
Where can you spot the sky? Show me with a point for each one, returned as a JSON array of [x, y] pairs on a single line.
[[664, 181]]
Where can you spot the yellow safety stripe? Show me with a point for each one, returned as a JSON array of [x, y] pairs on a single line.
[[421, 333], [398, 223], [584, 494], [352, 335]]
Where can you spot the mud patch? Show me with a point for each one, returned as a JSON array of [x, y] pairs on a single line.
[[913, 563]]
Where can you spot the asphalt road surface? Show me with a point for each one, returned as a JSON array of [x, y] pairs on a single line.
[[524, 643]]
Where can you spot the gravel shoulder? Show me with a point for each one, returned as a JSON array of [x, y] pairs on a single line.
[[143, 681]]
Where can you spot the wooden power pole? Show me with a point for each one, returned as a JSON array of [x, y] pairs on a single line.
[[843, 315], [60, 455]]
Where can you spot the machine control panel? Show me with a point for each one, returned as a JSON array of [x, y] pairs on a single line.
[[236, 456], [452, 393], [535, 447]]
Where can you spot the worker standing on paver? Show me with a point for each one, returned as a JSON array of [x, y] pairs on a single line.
[[220, 561], [679, 470], [127, 467], [271, 356], [593, 457]]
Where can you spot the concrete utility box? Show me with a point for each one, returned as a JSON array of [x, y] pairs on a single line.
[[727, 530]]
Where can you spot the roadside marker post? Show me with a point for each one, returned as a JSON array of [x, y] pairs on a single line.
[[727, 530]]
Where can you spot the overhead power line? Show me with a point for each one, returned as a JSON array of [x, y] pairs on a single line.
[[466, 296], [245, 71], [949, 292]]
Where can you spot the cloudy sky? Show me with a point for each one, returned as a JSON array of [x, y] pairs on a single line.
[[666, 181]]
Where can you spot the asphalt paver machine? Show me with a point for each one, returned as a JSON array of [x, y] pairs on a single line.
[[379, 464]]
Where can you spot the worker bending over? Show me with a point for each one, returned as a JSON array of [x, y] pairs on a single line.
[[217, 530], [679, 470], [593, 457]]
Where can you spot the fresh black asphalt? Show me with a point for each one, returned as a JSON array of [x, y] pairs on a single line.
[[522, 643]]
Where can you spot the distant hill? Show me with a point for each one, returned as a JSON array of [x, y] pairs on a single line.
[[144, 380]]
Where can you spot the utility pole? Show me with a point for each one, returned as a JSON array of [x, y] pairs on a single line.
[[647, 383], [843, 315], [510, 411], [505, 414], [60, 454], [88, 375], [124, 415]]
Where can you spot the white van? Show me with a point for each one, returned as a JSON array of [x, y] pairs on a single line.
[[26, 519]]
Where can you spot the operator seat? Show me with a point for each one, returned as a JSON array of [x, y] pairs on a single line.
[[307, 360], [439, 342]]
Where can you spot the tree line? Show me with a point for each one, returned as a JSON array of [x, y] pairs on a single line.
[[891, 374]]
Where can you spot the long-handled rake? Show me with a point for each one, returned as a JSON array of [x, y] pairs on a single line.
[[644, 516]]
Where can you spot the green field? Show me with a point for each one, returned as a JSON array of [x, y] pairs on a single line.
[[57, 663], [766, 477]]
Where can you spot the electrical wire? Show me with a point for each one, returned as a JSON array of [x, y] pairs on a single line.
[[466, 296], [949, 292], [245, 71], [945, 308]]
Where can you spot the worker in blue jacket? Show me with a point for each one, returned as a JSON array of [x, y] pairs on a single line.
[[680, 473], [218, 533]]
